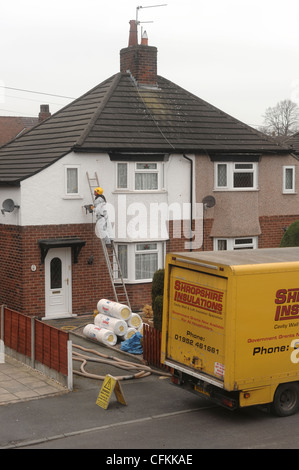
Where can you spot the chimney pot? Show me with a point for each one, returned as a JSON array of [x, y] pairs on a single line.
[[144, 39], [133, 36]]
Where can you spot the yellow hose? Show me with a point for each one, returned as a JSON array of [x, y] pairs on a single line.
[[143, 371]]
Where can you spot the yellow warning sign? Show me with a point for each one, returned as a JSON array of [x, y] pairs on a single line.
[[110, 385]]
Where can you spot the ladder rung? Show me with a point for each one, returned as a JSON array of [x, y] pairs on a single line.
[[114, 268]]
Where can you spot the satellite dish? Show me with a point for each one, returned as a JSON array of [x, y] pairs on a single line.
[[8, 206], [208, 202]]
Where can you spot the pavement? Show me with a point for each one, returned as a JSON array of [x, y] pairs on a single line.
[[19, 382]]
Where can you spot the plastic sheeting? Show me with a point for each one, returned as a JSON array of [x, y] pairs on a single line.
[[133, 345]]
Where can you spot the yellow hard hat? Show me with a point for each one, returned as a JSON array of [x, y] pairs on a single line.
[[98, 191]]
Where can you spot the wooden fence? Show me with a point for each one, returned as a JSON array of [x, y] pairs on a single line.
[[152, 347], [41, 346]]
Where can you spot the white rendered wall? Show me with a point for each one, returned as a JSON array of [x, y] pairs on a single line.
[[43, 200]]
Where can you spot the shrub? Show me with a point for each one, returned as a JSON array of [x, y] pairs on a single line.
[[158, 284], [291, 236], [157, 297], [158, 311]]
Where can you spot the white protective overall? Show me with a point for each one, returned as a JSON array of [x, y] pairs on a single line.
[[103, 227]]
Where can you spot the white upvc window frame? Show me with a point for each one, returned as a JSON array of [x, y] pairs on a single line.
[[68, 194], [290, 190], [133, 169], [146, 169], [125, 183], [132, 250], [237, 243], [231, 169]]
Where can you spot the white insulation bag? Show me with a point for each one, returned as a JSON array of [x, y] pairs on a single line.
[[102, 335], [114, 309], [119, 327], [135, 321], [129, 334]]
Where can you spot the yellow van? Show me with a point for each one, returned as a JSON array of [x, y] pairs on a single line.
[[230, 328]]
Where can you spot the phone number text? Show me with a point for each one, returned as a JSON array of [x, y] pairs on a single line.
[[197, 344]]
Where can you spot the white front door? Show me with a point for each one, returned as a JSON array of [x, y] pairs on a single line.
[[58, 279]]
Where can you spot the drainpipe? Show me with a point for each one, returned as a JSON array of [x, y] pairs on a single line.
[[191, 196]]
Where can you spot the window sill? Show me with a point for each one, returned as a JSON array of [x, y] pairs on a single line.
[[72, 196], [234, 190], [141, 191], [293, 193], [140, 281]]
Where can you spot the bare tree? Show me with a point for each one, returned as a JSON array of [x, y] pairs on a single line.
[[282, 120]]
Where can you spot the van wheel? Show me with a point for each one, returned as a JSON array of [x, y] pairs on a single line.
[[286, 400]]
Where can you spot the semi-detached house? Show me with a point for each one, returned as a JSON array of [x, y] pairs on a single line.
[[158, 152]]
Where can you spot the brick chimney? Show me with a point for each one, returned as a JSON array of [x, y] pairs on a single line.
[[44, 112], [139, 59]]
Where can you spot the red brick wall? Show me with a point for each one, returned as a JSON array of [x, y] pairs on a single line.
[[24, 290], [273, 229], [11, 266], [142, 63]]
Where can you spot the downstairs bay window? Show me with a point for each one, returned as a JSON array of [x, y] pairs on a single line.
[[244, 243], [139, 261]]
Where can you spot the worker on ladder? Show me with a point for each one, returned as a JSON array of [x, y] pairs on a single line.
[[103, 227]]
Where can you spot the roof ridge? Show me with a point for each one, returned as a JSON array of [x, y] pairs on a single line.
[[223, 113], [115, 81]]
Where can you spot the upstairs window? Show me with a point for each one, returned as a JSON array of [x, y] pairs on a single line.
[[139, 176], [72, 180], [288, 180], [122, 175], [146, 176], [235, 176]]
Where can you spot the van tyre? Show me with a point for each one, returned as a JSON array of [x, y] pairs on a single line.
[[286, 400]]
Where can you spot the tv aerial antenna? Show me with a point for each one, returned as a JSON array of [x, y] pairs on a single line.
[[141, 7]]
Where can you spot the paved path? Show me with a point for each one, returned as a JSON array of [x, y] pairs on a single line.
[[19, 382]]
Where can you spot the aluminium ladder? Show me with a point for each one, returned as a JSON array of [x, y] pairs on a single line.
[[115, 273], [111, 257], [93, 183]]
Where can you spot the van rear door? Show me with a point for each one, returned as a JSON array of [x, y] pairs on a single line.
[[197, 321]]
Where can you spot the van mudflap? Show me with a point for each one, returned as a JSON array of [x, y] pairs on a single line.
[[228, 400]]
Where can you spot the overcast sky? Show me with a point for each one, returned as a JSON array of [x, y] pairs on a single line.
[[239, 55]]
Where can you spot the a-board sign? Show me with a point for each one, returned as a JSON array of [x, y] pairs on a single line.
[[109, 386]]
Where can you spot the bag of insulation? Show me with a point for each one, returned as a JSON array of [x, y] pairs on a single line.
[[133, 345]]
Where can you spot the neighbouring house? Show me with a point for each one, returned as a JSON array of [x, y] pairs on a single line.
[[14, 126], [158, 152]]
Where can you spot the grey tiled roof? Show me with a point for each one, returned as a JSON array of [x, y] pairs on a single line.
[[293, 142], [118, 116]]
